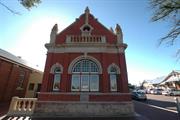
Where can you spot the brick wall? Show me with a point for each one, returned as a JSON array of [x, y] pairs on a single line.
[[65, 60], [75, 96], [98, 29], [57, 97], [9, 76]]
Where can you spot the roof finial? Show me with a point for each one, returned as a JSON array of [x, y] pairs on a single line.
[[118, 29], [53, 33], [87, 10], [119, 33], [86, 15]]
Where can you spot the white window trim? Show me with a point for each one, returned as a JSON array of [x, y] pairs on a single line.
[[52, 70], [87, 74], [54, 89], [55, 66], [84, 57], [112, 73], [113, 90], [113, 65]]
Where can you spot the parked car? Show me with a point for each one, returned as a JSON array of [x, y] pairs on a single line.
[[151, 91], [165, 92], [136, 95], [174, 92], [148, 91], [158, 91], [141, 90]]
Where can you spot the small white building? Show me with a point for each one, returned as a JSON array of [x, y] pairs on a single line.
[[172, 80]]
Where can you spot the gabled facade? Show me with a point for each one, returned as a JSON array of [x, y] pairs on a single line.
[[85, 66]]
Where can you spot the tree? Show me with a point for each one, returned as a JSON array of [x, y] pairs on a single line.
[[131, 87], [168, 10], [28, 4]]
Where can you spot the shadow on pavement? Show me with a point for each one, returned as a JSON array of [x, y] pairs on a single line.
[[77, 118], [15, 118]]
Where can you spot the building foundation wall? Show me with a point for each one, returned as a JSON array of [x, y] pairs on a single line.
[[83, 109]]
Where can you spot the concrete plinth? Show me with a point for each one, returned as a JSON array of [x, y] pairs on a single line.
[[83, 109]]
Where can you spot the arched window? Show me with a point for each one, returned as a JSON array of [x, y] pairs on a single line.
[[56, 70], [85, 76], [113, 71]]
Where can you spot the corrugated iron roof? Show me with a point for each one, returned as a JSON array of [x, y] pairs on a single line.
[[173, 76], [10, 57], [156, 80]]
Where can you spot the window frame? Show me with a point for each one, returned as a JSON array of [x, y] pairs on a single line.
[[72, 80], [55, 81], [113, 70], [85, 70], [31, 87], [112, 80], [21, 78]]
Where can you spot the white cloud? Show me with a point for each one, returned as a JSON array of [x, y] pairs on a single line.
[[30, 45], [138, 74]]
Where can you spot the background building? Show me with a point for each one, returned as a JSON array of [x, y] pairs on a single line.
[[172, 80], [14, 76], [34, 84]]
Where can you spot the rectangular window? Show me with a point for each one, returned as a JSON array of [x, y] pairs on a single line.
[[75, 85], [94, 82], [31, 86], [38, 87], [56, 84], [84, 82], [21, 78], [113, 82]]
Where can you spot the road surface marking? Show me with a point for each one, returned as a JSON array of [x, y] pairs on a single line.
[[174, 111]]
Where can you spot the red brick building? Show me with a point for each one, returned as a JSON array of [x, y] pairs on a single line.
[[14, 76], [85, 66]]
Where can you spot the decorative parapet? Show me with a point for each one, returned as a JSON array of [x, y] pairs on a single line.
[[80, 47], [85, 39], [22, 106]]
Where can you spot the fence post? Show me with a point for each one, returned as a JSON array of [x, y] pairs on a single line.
[[13, 105], [178, 106]]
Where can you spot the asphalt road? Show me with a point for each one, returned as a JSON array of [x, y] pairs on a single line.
[[157, 107], [167, 102]]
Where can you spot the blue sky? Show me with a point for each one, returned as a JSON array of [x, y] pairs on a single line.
[[25, 35]]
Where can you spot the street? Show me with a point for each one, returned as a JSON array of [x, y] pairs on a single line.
[[157, 107], [167, 102]]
